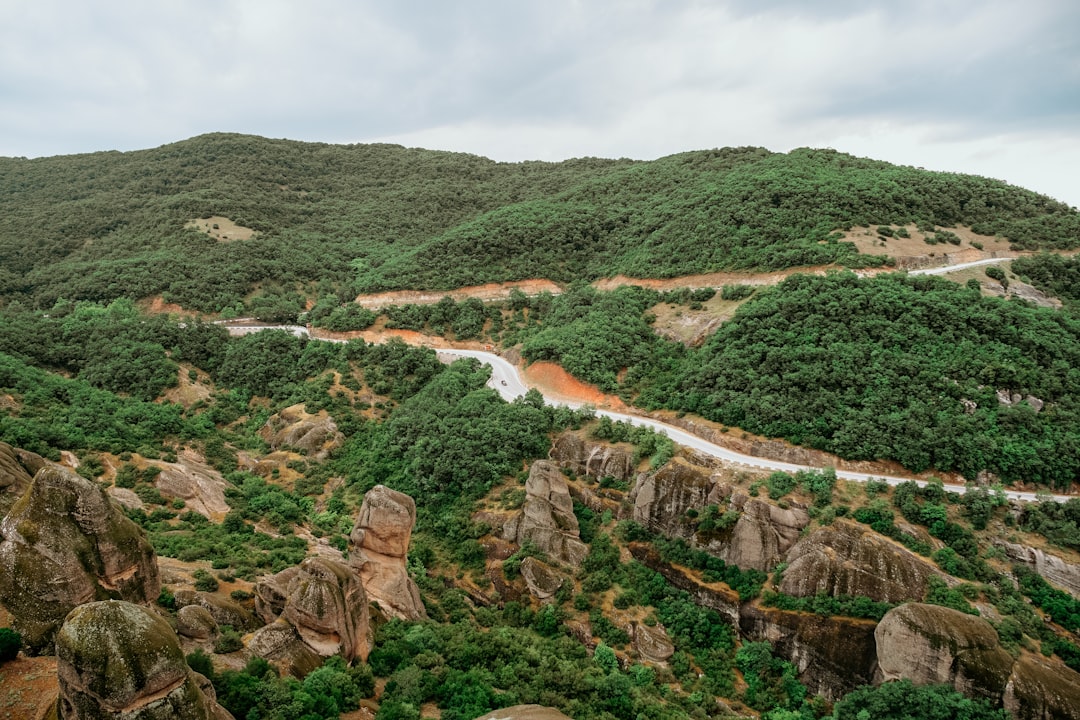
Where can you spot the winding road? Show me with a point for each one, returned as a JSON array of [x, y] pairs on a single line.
[[507, 380]]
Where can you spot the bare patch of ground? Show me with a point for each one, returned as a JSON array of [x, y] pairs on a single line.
[[28, 688], [1017, 288], [488, 292], [560, 385], [221, 228], [188, 392], [688, 326], [156, 305], [913, 251]]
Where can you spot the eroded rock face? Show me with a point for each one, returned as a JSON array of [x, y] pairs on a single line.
[[379, 548], [17, 470], [525, 712], [279, 642], [196, 622], [592, 459], [272, 592], [652, 644], [1040, 689], [192, 480], [929, 644], [762, 536], [833, 655], [64, 544], [223, 610], [328, 607], [315, 435], [662, 499], [119, 660], [846, 558], [547, 518], [1053, 569], [542, 580]]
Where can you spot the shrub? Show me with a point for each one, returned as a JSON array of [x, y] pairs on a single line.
[[10, 643]]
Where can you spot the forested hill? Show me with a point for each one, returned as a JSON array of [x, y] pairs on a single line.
[[369, 217]]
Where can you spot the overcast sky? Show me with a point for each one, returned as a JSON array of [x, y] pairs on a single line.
[[990, 87]]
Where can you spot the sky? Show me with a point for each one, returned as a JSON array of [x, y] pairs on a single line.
[[990, 87]]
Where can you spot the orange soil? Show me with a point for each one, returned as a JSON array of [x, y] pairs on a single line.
[[28, 688], [490, 291], [555, 382], [158, 306]]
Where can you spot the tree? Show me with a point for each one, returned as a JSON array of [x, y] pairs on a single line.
[[10, 644]]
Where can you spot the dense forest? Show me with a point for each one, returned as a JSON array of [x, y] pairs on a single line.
[[342, 219]]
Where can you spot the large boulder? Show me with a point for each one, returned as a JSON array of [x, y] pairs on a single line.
[[847, 558], [833, 655], [328, 607], [196, 622], [223, 610], [272, 592], [379, 548], [279, 643], [929, 644], [662, 499], [547, 518], [651, 643], [1042, 689], [543, 580], [119, 660], [314, 435], [592, 459], [66, 543], [762, 535], [524, 712]]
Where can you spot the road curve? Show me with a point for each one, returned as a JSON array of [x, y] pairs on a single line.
[[944, 269], [507, 380]]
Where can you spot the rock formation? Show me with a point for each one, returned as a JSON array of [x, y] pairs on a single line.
[[64, 544], [1055, 570], [116, 659], [280, 643], [652, 644], [223, 610], [833, 655], [192, 480], [196, 622], [547, 518], [17, 470], [758, 540], [929, 644], [325, 604], [1040, 689], [847, 558], [314, 435], [271, 593], [542, 580], [592, 459], [379, 548]]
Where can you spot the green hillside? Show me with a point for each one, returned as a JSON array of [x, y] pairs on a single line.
[[370, 217]]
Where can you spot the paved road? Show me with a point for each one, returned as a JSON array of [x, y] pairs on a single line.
[[959, 266], [509, 383]]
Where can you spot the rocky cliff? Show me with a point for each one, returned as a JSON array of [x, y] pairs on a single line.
[[119, 660], [313, 435], [590, 459], [379, 548], [1055, 570], [847, 558], [547, 517], [17, 470], [64, 543], [666, 501]]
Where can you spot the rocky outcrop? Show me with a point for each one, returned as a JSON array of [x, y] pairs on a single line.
[[542, 580], [524, 712], [847, 558], [195, 622], [327, 606], [760, 537], [279, 643], [200, 486], [716, 596], [313, 435], [651, 643], [119, 660], [379, 548], [833, 655], [929, 644], [271, 593], [222, 610], [662, 499], [547, 518], [17, 470], [592, 459], [1040, 689], [64, 544], [1053, 569]]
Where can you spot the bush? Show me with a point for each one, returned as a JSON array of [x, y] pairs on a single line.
[[228, 642], [204, 581], [10, 643]]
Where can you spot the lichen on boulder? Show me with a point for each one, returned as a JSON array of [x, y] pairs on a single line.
[[65, 543], [119, 660]]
